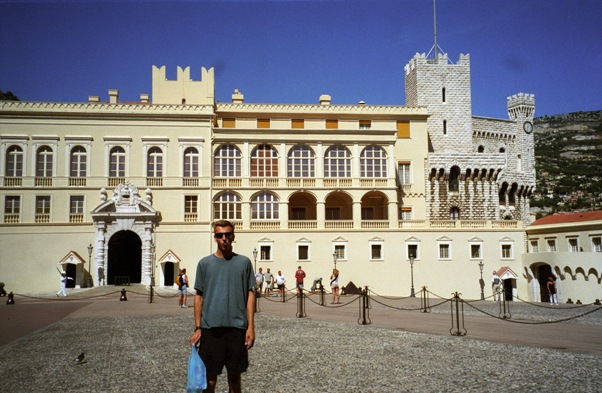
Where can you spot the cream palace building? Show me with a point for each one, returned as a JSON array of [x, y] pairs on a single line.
[[113, 192]]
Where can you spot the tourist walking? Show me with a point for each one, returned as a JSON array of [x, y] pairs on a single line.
[[334, 287]]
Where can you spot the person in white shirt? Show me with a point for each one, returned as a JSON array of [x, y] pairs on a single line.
[[495, 286], [280, 281], [259, 280]]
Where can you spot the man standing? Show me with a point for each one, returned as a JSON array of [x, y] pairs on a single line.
[[259, 281], [268, 280], [280, 281], [224, 307], [495, 286], [299, 276]]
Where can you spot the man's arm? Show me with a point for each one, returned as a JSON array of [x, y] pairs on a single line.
[[198, 308], [250, 337]]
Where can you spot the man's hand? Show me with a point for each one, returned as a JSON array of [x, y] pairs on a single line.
[[196, 336], [250, 338]]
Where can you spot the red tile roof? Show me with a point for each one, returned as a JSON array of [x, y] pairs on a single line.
[[570, 217]]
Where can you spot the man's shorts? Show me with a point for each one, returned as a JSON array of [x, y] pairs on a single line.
[[224, 347]]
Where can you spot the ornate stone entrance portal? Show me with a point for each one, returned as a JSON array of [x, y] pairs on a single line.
[[125, 211]]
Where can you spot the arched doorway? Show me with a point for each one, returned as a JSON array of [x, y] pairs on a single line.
[[71, 270], [168, 274], [542, 272], [125, 258]]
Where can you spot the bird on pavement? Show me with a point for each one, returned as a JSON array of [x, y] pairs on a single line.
[[80, 358]]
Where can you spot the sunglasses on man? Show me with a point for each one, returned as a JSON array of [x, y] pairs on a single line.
[[220, 235]]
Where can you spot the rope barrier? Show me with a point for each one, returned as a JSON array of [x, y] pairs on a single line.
[[535, 322]]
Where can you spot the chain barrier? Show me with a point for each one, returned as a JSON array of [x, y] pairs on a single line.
[[564, 307], [459, 328]]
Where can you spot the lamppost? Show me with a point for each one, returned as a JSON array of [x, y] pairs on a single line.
[[412, 294], [482, 282], [90, 248], [152, 283], [255, 259], [334, 258]]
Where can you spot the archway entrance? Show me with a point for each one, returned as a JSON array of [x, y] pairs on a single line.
[[168, 274], [71, 270], [542, 272], [125, 258]]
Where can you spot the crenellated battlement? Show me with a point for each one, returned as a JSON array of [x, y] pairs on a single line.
[[442, 59], [183, 90], [521, 105]]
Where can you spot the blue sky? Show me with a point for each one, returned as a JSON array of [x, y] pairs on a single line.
[[293, 51]]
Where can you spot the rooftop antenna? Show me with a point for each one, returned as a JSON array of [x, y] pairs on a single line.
[[436, 49], [436, 54]]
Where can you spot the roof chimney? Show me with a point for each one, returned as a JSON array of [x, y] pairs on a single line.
[[237, 97], [144, 98], [325, 99], [113, 96], [93, 99]]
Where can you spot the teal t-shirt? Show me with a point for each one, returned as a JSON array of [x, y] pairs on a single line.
[[225, 285]]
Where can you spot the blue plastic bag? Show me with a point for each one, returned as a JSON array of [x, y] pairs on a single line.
[[197, 374]]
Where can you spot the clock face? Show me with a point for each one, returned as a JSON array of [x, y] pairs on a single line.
[[528, 127]]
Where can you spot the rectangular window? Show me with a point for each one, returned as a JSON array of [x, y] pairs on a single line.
[[413, 251], [365, 124], [596, 244], [551, 245], [265, 253], [444, 251], [404, 172], [12, 205], [332, 124], [263, 123], [376, 252], [507, 251], [534, 246], [475, 251], [229, 123], [191, 203], [298, 213], [302, 252], [403, 129], [444, 127], [42, 209], [406, 213], [573, 245], [340, 251], [298, 123], [76, 208], [333, 213], [367, 213]]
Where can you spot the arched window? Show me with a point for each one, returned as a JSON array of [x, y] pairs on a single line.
[[227, 206], [154, 164], [373, 162], [454, 179], [191, 162], [227, 161], [481, 149], [14, 162], [454, 214], [44, 162], [117, 162], [301, 162], [264, 162], [79, 162], [264, 206], [337, 162]]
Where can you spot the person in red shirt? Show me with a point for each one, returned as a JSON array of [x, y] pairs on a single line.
[[299, 276]]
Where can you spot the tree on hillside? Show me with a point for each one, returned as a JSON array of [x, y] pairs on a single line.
[[8, 96]]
